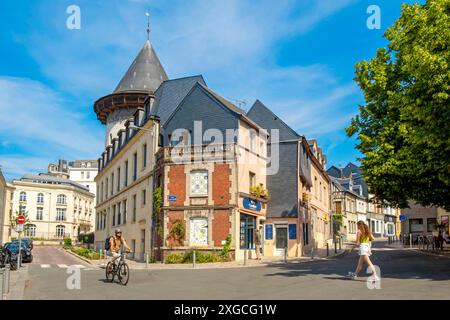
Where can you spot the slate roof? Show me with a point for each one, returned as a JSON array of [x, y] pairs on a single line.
[[170, 94], [268, 120], [145, 73], [50, 179]]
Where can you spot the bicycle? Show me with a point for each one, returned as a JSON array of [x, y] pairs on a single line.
[[119, 269]]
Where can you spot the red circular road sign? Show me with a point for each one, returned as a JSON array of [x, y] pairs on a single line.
[[20, 219]]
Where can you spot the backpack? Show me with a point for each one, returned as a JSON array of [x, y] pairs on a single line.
[[108, 244]]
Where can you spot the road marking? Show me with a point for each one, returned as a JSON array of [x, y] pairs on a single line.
[[79, 266], [44, 266], [62, 266]]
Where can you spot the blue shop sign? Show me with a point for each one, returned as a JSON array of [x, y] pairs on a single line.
[[252, 204], [172, 198], [402, 218]]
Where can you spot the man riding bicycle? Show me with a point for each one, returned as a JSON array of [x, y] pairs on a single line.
[[116, 242]]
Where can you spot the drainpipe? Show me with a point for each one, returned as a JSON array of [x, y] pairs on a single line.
[[156, 124]]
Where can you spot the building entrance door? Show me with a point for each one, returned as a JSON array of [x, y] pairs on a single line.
[[280, 239]]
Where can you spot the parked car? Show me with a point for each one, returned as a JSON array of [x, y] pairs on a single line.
[[27, 241], [7, 257], [13, 247]]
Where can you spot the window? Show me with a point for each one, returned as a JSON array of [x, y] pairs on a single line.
[[22, 209], [106, 188], [60, 231], [114, 215], [198, 231], [39, 213], [23, 196], [144, 156], [119, 214], [82, 175], [134, 208], [118, 179], [135, 166], [40, 198], [199, 183], [61, 199], [124, 206], [88, 175], [144, 197], [112, 184], [125, 175], [60, 214], [252, 179], [252, 140], [30, 230]]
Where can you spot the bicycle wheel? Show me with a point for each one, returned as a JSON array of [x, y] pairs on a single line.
[[109, 272], [123, 273]]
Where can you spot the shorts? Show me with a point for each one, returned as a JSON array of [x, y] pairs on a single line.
[[364, 249]]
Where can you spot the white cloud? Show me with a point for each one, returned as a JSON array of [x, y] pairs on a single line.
[[40, 123]]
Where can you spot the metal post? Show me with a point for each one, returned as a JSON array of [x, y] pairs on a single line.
[[410, 240], [328, 249], [2, 290], [19, 257], [285, 254], [340, 243], [146, 260], [6, 279], [312, 253], [193, 259], [335, 247]]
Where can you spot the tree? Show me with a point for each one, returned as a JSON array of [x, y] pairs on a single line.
[[403, 128]]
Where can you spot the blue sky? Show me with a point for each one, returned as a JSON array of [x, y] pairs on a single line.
[[297, 57]]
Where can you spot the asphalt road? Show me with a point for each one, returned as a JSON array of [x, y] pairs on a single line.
[[405, 274]]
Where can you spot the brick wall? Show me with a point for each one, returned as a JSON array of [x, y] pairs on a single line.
[[221, 184], [177, 185], [221, 226], [175, 216]]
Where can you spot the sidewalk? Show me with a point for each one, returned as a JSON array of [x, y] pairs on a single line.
[[17, 283], [440, 253], [319, 255]]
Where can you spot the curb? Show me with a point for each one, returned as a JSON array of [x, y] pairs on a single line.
[[80, 257]]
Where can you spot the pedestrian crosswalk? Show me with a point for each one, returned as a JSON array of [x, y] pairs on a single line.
[[65, 266]]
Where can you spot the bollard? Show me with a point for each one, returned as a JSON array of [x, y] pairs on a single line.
[[146, 260], [328, 249], [193, 259], [312, 253], [410, 240], [335, 247], [340, 244], [2, 290], [285, 255]]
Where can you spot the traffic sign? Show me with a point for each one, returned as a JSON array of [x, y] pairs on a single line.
[[19, 228], [402, 218], [20, 219]]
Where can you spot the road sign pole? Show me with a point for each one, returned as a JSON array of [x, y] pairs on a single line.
[[19, 257]]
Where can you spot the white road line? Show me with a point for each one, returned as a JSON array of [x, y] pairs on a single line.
[[62, 266], [79, 266], [45, 266]]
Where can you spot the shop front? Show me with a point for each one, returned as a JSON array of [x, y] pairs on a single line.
[[389, 226], [250, 221]]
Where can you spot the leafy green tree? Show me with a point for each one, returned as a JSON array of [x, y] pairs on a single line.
[[403, 128]]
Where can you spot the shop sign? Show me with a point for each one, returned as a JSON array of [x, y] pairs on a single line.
[[252, 204]]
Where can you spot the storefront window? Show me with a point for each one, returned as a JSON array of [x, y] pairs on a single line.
[[247, 232], [431, 224], [416, 225]]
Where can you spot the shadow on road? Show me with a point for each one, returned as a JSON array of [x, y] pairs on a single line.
[[394, 264]]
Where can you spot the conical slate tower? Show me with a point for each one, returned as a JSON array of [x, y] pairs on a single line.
[[140, 81]]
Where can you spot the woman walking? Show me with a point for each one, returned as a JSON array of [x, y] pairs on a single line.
[[363, 242]]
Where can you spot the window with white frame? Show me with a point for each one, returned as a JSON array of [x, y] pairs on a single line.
[[60, 231], [39, 213], [199, 183], [60, 214], [23, 196], [61, 199], [30, 230], [40, 198]]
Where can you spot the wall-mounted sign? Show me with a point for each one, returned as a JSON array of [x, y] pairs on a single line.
[[198, 231], [172, 198], [402, 218], [269, 231], [292, 231], [252, 204]]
